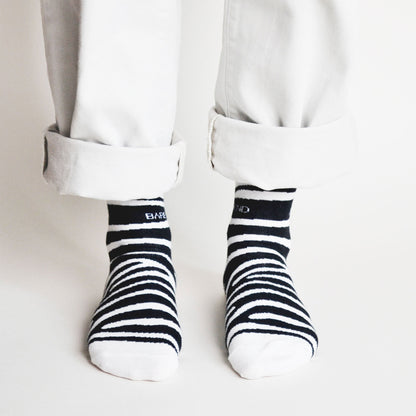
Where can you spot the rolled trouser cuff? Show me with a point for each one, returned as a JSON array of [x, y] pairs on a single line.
[[94, 170], [280, 157]]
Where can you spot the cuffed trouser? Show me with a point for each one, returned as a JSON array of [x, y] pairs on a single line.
[[280, 117]]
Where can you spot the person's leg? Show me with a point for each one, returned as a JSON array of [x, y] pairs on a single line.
[[113, 69], [280, 123]]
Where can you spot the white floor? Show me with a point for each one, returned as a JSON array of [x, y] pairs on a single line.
[[353, 256], [361, 298]]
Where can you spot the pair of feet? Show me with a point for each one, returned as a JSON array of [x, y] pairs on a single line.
[[135, 331]]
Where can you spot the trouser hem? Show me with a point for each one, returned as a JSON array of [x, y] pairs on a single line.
[[280, 157], [94, 170]]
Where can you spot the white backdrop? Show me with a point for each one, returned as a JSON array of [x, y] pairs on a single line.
[[352, 256]]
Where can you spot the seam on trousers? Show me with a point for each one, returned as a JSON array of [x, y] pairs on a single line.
[[45, 155], [210, 138], [181, 159], [226, 35]]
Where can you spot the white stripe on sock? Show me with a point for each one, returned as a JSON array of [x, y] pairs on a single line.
[[260, 223], [138, 226]]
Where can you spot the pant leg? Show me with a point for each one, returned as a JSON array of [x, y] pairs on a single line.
[[281, 116], [112, 67]]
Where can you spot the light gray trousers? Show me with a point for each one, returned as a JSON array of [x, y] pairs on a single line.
[[280, 117]]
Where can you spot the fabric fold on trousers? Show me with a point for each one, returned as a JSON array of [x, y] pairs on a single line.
[[100, 171], [113, 68], [282, 112], [280, 157]]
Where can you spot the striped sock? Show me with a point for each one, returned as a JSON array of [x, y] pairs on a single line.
[[135, 331], [268, 330]]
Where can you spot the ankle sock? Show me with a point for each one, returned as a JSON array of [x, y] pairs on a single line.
[[135, 331], [268, 330]]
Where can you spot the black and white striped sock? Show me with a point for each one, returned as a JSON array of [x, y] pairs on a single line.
[[268, 330], [135, 331]]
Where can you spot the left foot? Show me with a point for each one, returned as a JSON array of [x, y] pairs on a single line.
[[268, 330]]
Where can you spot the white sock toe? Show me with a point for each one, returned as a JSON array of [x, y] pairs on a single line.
[[258, 355], [135, 361]]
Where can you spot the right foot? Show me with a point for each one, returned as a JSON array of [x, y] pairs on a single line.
[[135, 331]]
